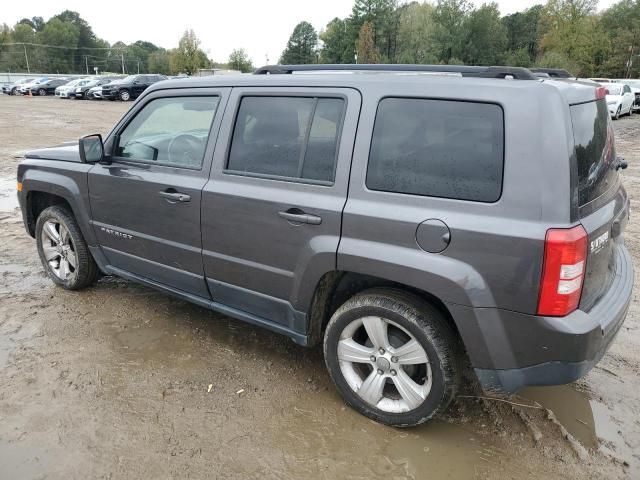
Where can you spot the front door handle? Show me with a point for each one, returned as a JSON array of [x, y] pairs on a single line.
[[172, 196], [297, 217]]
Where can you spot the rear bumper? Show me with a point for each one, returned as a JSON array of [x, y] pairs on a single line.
[[510, 350]]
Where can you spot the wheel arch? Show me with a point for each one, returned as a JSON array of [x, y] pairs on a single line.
[[42, 189], [336, 287]]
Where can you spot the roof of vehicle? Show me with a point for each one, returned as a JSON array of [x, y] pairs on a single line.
[[573, 91]]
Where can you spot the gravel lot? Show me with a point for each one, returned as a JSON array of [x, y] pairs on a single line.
[[113, 382]]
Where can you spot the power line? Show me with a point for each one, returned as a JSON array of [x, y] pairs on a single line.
[[62, 47]]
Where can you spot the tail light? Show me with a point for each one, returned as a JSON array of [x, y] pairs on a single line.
[[601, 92], [565, 257]]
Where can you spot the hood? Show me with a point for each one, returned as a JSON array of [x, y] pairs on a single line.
[[65, 152]]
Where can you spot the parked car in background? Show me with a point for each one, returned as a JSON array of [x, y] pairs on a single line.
[[412, 224], [13, 88], [634, 85], [82, 91], [601, 80], [25, 87], [130, 87], [619, 99], [68, 90], [48, 87]]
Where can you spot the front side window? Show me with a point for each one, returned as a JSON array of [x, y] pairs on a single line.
[[291, 137], [437, 148], [169, 131]]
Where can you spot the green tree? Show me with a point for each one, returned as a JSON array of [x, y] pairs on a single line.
[[366, 48], [381, 14], [621, 25], [416, 30], [160, 62], [302, 46], [450, 16], [188, 57], [523, 34], [485, 36], [337, 44], [239, 60]]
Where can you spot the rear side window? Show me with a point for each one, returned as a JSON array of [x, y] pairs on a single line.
[[595, 153], [290, 137], [437, 148]]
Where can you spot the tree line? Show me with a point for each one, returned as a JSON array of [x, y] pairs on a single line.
[[568, 34], [66, 43]]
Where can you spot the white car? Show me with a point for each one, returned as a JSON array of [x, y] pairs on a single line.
[[25, 87], [619, 99], [69, 90], [634, 85]]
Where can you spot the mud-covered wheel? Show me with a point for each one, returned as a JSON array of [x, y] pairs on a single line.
[[124, 95], [393, 357], [63, 251]]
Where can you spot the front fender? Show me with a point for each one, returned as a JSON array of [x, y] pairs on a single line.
[[67, 180]]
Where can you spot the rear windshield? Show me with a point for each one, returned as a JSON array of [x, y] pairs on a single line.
[[595, 152]]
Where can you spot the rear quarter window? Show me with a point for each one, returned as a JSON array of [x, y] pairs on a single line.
[[594, 149], [437, 148]]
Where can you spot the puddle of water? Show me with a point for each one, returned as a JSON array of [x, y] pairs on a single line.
[[22, 462], [571, 407], [9, 341], [8, 197], [354, 448]]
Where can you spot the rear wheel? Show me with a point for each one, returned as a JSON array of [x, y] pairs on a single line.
[[393, 357], [63, 251]]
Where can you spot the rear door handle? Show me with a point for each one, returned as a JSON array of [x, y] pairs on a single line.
[[297, 216], [174, 197]]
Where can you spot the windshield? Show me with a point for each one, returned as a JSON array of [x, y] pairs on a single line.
[[129, 79], [613, 89]]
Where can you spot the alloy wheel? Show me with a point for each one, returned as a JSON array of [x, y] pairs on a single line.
[[384, 364], [58, 249]]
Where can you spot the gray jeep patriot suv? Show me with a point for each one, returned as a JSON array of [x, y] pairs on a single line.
[[412, 218]]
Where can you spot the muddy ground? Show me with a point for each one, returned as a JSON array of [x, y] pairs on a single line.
[[113, 382]]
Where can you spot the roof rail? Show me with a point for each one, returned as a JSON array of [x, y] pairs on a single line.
[[517, 73], [553, 72]]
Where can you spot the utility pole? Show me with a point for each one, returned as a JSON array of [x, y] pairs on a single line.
[[26, 57], [122, 57], [138, 67], [86, 64]]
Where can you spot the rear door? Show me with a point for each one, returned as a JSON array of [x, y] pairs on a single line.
[[146, 204], [603, 205], [271, 214]]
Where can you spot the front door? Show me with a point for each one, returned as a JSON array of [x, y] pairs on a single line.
[[146, 204], [271, 213]]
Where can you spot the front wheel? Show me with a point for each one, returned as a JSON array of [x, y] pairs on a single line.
[[124, 95], [63, 251], [42, 92], [617, 115], [393, 357]]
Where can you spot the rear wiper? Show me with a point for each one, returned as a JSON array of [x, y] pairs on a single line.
[[621, 163]]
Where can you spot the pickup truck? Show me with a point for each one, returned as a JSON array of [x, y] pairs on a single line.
[[410, 223]]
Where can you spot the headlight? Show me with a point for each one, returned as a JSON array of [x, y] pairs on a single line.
[[78, 89]]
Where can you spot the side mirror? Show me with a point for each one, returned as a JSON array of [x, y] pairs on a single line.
[[91, 148]]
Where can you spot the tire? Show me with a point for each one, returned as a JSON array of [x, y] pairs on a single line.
[[42, 92], [72, 246], [617, 115], [124, 95], [13, 91], [435, 372]]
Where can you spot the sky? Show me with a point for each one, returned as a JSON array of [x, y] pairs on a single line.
[[262, 28]]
